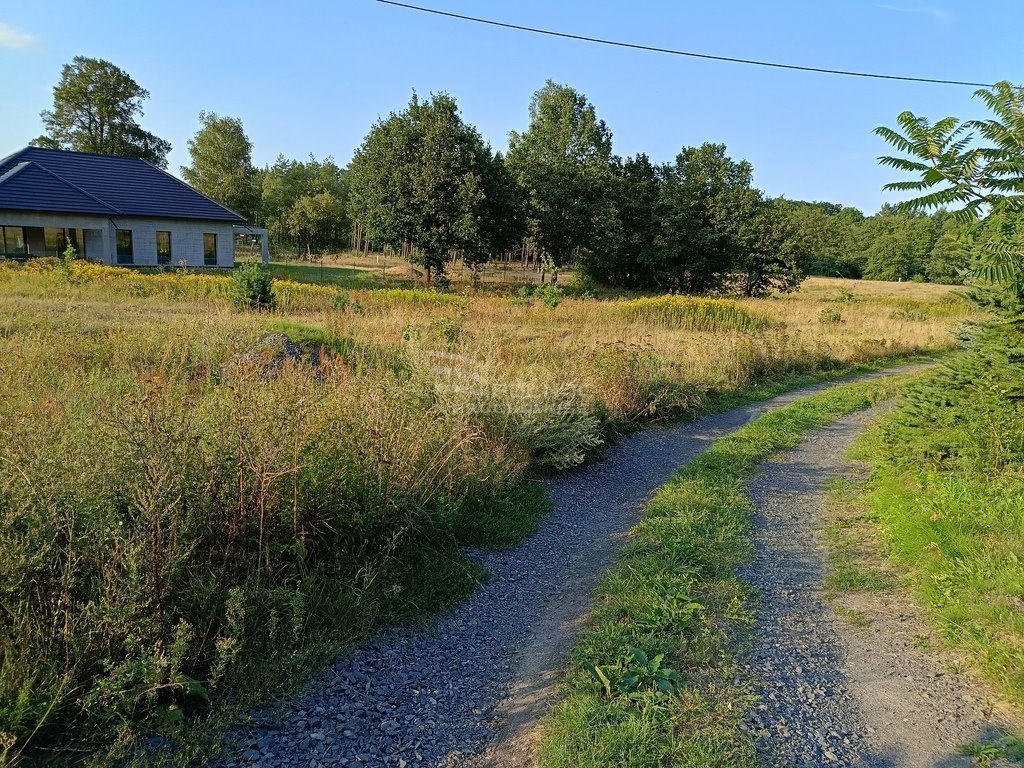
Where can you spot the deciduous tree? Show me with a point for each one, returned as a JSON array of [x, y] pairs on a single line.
[[222, 164], [563, 161], [95, 106], [423, 176]]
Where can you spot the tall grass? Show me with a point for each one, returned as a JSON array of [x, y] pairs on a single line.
[[709, 315], [173, 526]]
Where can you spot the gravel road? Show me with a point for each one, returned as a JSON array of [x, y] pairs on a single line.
[[467, 692], [832, 693]]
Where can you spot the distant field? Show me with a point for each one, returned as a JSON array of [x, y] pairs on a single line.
[[182, 515]]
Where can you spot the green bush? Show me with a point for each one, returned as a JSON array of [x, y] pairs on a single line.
[[251, 287], [550, 294]]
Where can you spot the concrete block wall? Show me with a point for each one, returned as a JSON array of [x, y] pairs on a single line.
[[186, 241], [101, 236]]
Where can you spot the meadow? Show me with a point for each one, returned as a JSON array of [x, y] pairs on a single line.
[[184, 514]]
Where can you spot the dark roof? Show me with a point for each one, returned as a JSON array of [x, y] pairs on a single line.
[[37, 179]]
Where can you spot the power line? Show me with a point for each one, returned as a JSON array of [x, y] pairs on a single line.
[[674, 52]]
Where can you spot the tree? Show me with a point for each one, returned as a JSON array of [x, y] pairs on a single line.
[[222, 164], [638, 258], [704, 190], [425, 177], [765, 255], [825, 238], [312, 219], [563, 161], [95, 105], [899, 245], [286, 183], [977, 169]]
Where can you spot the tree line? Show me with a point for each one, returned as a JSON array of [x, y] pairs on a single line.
[[425, 183]]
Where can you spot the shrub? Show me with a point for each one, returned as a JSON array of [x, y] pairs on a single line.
[[550, 294], [252, 287]]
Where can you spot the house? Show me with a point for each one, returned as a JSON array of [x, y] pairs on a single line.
[[115, 210]]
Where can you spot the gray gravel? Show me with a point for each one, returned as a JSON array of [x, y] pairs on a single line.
[[431, 698], [830, 693]]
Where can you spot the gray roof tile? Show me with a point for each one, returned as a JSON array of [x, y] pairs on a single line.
[[37, 179]]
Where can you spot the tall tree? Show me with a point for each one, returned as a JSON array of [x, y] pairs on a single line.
[[95, 105], [286, 183], [704, 189], [222, 164], [421, 177], [976, 168], [563, 161], [638, 258], [316, 220]]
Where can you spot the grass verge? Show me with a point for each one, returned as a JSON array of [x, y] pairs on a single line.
[[952, 520], [652, 680]]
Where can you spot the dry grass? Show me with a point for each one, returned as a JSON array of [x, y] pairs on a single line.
[[420, 423]]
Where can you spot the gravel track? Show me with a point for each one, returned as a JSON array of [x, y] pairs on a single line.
[[832, 693], [486, 673]]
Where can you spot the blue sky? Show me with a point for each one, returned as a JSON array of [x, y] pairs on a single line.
[[313, 76]]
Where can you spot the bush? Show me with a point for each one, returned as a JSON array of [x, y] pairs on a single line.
[[550, 294], [252, 287]]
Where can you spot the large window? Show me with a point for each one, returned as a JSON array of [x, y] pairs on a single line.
[[13, 241], [18, 242], [125, 253], [210, 249], [163, 247], [56, 240]]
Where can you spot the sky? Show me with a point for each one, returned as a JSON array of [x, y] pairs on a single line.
[[313, 76]]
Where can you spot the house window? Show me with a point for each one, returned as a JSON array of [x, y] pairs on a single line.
[[163, 247], [56, 241], [14, 241], [76, 239], [125, 254], [210, 249]]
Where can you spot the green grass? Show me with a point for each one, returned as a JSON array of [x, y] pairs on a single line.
[[334, 274], [958, 534], [674, 593], [696, 314], [850, 534]]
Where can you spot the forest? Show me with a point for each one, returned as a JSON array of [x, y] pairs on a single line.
[[427, 186]]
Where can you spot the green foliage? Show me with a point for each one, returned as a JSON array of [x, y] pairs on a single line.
[[65, 264], [252, 287], [221, 165], [426, 178], [947, 491], [550, 294], [978, 168], [305, 203], [94, 109], [563, 162], [312, 215], [696, 226]]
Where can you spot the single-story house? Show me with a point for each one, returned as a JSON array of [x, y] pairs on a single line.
[[115, 210]]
